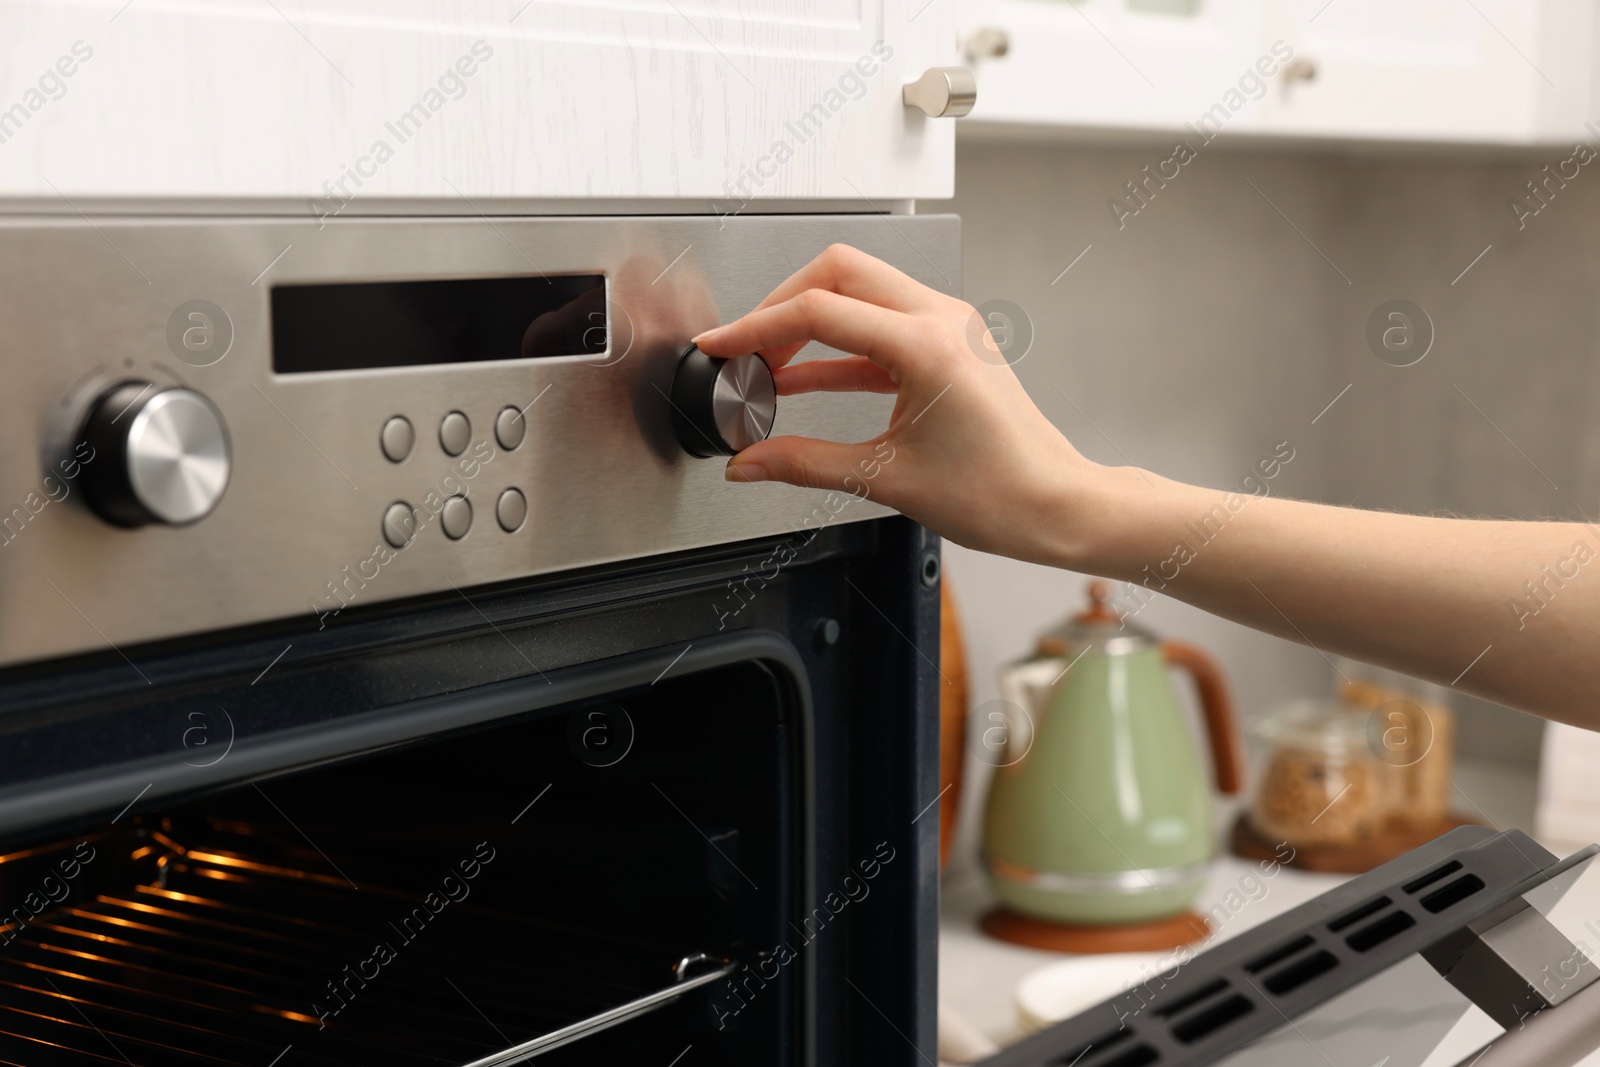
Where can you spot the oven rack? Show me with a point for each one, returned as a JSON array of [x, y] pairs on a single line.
[[223, 955]]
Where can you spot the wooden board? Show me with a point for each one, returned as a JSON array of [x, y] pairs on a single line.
[[952, 719]]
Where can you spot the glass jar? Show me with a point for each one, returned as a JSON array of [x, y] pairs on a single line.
[[1410, 728], [1321, 785]]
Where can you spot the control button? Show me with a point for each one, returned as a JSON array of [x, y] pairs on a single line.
[[456, 518], [722, 406], [399, 524], [397, 438], [163, 455], [511, 509], [510, 428], [454, 433]]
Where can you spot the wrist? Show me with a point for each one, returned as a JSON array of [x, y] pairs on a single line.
[[1111, 521]]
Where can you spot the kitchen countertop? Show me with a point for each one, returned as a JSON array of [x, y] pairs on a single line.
[[978, 975]]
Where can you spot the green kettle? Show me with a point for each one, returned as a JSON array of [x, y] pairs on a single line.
[[1100, 809]]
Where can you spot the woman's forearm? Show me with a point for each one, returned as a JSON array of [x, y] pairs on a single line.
[[1506, 610]]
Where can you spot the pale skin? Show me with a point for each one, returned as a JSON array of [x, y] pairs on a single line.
[[976, 461]]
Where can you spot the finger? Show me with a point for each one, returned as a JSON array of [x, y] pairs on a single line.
[[851, 272], [804, 461], [840, 322], [845, 374], [566, 330], [780, 356]]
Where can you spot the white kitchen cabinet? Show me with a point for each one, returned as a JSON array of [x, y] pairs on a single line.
[[1462, 71], [341, 104], [1448, 71], [1120, 64]]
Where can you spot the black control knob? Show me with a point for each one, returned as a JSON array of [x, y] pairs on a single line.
[[160, 455], [722, 406]]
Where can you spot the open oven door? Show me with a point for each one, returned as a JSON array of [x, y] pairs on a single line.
[[571, 821]]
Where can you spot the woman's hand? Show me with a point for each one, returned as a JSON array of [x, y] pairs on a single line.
[[1508, 610], [965, 453]]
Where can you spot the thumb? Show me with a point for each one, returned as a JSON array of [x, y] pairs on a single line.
[[804, 461]]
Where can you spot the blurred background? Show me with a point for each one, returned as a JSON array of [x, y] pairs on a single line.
[[1194, 298], [1209, 330], [1223, 311]]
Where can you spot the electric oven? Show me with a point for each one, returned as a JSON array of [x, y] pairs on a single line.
[[388, 674]]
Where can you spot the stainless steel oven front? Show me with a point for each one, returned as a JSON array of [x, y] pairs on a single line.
[[582, 431], [387, 671]]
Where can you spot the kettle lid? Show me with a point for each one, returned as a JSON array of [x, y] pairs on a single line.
[[1100, 626]]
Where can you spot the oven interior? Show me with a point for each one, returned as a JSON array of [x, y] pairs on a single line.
[[435, 902]]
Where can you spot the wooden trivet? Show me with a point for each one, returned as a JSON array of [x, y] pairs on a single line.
[[1158, 935], [1395, 840]]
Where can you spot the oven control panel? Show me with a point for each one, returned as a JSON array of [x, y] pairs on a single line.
[[214, 422]]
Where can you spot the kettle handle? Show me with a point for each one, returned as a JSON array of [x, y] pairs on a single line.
[[1217, 706]]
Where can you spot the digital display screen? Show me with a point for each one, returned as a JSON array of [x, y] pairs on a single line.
[[364, 325]]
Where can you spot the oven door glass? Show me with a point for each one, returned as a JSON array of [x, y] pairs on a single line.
[[602, 878]]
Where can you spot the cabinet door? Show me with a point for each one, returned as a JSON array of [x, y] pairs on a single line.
[[1121, 64], [1493, 71], [337, 103]]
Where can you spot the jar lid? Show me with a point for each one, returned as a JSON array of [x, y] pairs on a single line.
[[1325, 725]]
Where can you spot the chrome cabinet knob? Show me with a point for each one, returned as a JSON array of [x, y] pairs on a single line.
[[160, 455], [722, 406], [987, 42], [1300, 69], [942, 92]]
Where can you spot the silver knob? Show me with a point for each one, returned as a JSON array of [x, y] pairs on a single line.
[[987, 42], [722, 406], [942, 92], [1300, 69], [160, 455]]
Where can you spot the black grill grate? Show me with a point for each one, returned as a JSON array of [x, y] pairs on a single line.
[[222, 955]]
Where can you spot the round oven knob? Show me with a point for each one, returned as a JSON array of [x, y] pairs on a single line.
[[722, 406], [160, 455]]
